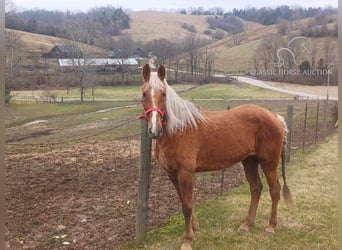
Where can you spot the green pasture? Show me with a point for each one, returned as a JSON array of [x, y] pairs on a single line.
[[231, 91], [312, 224], [116, 92], [20, 112], [62, 117]]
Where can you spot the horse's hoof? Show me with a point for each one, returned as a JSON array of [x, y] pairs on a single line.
[[244, 228], [269, 231], [186, 246]]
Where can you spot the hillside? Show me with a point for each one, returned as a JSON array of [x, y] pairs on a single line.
[[230, 57], [149, 25], [32, 43]]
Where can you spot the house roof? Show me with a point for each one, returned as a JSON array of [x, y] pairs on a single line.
[[97, 62], [140, 52], [67, 48]]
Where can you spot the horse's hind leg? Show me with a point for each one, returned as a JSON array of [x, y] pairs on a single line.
[[271, 173], [250, 165]]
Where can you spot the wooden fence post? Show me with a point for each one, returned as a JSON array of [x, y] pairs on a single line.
[[325, 118], [144, 183], [289, 127], [304, 127], [316, 129]]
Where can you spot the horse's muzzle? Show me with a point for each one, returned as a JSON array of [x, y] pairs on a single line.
[[155, 133]]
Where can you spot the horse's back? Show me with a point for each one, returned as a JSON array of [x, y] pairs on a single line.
[[240, 132]]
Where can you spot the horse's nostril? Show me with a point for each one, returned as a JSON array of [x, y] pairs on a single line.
[[161, 130]]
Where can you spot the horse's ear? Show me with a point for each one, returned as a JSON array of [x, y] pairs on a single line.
[[161, 72], [146, 72]]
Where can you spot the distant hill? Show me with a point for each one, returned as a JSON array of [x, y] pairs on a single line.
[[232, 57], [32, 43], [233, 53], [149, 25]]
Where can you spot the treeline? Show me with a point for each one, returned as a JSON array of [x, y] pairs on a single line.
[[265, 15], [108, 21], [269, 16], [226, 22]]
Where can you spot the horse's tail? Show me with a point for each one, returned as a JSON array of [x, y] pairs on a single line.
[[286, 191]]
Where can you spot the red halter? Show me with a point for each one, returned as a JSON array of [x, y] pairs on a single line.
[[144, 116]]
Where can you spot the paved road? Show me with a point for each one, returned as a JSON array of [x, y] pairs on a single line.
[[263, 84]]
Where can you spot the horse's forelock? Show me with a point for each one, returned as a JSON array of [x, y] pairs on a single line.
[[155, 82]]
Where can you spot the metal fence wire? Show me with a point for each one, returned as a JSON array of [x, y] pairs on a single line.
[[82, 194]]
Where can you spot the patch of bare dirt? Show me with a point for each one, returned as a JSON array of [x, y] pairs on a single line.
[[83, 196]]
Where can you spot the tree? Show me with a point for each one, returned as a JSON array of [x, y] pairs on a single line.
[[208, 63], [10, 7], [329, 52], [267, 52], [192, 49], [124, 47], [12, 56], [81, 31], [304, 66], [238, 38], [161, 49]]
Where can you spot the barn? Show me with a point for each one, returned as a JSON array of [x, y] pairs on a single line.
[[140, 53], [64, 51]]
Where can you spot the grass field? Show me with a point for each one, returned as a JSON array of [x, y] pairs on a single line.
[[116, 92], [312, 224], [19, 113], [149, 25]]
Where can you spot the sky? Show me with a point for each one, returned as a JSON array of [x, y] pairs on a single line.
[[162, 5]]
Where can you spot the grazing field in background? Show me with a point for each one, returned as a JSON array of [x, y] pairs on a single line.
[[72, 168]]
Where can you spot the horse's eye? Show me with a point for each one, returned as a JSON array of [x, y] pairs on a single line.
[[144, 94], [164, 94]]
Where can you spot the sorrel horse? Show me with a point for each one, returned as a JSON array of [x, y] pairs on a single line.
[[190, 140]]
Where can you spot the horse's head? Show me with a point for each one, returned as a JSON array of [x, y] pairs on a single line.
[[153, 100]]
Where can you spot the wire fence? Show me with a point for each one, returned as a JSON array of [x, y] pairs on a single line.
[[82, 194]]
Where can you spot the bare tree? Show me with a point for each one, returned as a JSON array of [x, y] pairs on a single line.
[[208, 62], [161, 49], [10, 7], [267, 52], [238, 38], [192, 49], [81, 31], [124, 47], [12, 56], [329, 52]]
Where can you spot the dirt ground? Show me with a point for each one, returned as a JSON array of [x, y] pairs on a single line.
[[83, 196]]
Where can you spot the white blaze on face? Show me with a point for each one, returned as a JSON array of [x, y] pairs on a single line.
[[154, 115]]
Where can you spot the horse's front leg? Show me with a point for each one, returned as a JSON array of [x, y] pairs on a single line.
[[186, 183], [174, 181]]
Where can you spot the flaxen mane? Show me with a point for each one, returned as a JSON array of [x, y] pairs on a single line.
[[180, 113]]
